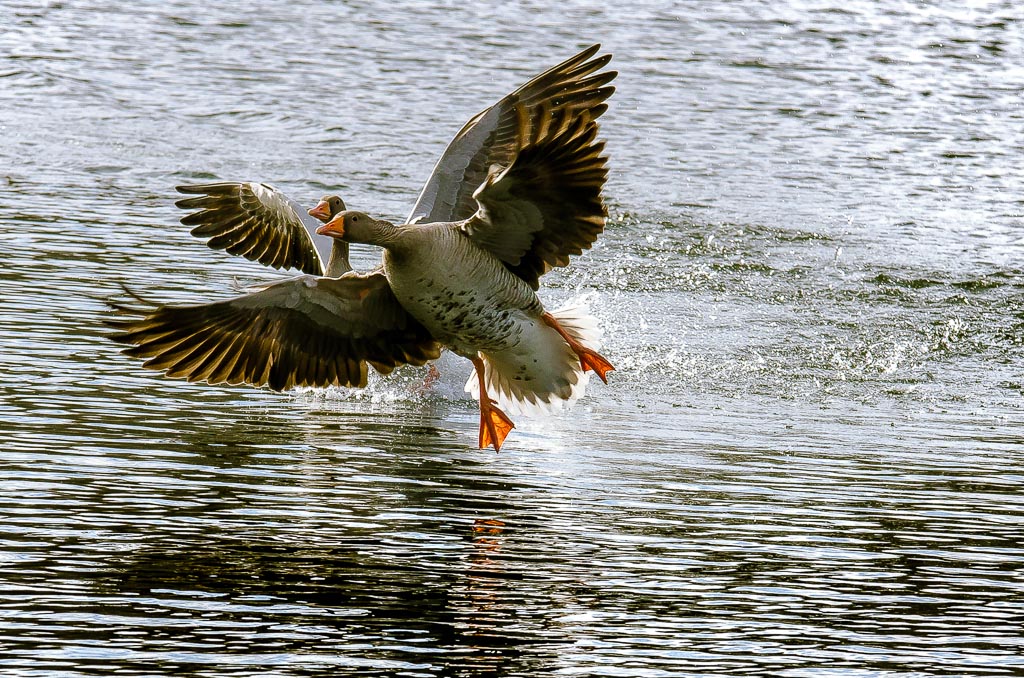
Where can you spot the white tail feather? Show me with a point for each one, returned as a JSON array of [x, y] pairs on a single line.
[[549, 372]]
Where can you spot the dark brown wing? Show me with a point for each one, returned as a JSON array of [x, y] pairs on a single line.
[[490, 137], [255, 221], [304, 331], [547, 204]]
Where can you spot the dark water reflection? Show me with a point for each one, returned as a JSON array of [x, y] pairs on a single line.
[[253, 550], [809, 461]]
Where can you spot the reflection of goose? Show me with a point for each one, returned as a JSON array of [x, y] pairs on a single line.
[[262, 224], [467, 282]]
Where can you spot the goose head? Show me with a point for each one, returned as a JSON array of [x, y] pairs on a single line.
[[352, 226], [328, 206]]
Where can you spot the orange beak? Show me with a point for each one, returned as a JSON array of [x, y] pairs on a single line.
[[322, 211], [334, 228]]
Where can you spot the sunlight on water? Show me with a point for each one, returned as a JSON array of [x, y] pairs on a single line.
[[807, 462]]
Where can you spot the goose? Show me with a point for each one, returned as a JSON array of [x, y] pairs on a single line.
[[472, 283], [469, 284]]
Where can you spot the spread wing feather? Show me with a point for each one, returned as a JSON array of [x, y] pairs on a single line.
[[255, 221], [304, 331], [546, 205], [490, 137]]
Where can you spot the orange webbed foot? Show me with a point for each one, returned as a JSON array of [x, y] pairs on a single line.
[[592, 360], [589, 358], [494, 425]]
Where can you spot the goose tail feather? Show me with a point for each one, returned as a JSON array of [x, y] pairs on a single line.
[[553, 378]]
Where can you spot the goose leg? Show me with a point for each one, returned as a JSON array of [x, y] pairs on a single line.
[[432, 376], [428, 381], [494, 424], [589, 359]]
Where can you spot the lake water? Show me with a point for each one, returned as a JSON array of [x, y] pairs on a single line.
[[810, 460]]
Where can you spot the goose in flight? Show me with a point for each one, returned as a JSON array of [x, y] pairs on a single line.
[[465, 282]]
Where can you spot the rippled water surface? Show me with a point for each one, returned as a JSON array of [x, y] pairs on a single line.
[[809, 461]]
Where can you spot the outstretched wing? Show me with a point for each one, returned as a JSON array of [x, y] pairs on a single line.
[[546, 205], [255, 221], [490, 137], [304, 331]]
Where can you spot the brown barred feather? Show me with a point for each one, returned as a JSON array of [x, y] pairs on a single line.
[[305, 331]]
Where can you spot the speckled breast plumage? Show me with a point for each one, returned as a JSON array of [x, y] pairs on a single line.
[[463, 295]]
